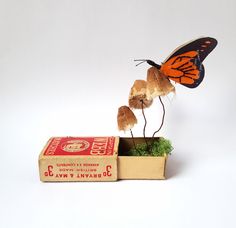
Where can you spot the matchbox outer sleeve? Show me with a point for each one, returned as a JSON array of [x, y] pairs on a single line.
[[79, 159]]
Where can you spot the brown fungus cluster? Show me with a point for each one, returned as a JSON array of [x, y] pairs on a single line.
[[125, 118], [138, 95], [158, 84], [141, 96]]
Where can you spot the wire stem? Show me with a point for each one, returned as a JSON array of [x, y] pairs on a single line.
[[163, 118], [144, 128], [133, 139], [140, 60]]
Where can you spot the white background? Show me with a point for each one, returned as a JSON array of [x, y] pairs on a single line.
[[65, 68]]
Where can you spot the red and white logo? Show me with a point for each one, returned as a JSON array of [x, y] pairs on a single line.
[[74, 146]]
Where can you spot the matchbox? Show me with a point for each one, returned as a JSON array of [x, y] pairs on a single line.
[[97, 159]]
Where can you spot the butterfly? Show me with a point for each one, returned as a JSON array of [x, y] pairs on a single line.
[[184, 65]]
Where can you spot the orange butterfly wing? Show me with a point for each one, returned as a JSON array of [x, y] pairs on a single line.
[[183, 68], [184, 65]]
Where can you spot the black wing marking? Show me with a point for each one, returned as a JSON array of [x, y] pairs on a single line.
[[203, 45], [198, 81]]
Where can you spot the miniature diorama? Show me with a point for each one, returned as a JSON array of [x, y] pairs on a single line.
[[112, 158], [183, 66]]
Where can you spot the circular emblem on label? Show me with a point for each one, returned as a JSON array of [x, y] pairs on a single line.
[[75, 145]]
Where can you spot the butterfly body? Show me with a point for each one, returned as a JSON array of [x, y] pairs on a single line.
[[184, 65]]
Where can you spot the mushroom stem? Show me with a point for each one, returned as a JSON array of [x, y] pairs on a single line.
[[133, 139], [163, 117], [144, 128]]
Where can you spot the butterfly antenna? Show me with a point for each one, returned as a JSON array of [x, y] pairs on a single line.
[[141, 61]]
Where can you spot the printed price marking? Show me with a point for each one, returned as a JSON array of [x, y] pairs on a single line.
[[107, 173], [49, 172]]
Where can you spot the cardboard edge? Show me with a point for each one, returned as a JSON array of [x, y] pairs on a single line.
[[165, 164], [41, 156], [116, 145], [124, 161]]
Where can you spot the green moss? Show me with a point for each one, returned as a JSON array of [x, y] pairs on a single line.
[[159, 147]]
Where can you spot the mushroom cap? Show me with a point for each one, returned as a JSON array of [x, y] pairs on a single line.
[[158, 84], [138, 95], [125, 118]]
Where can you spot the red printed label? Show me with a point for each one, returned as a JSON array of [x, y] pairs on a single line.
[[81, 146], [77, 171]]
